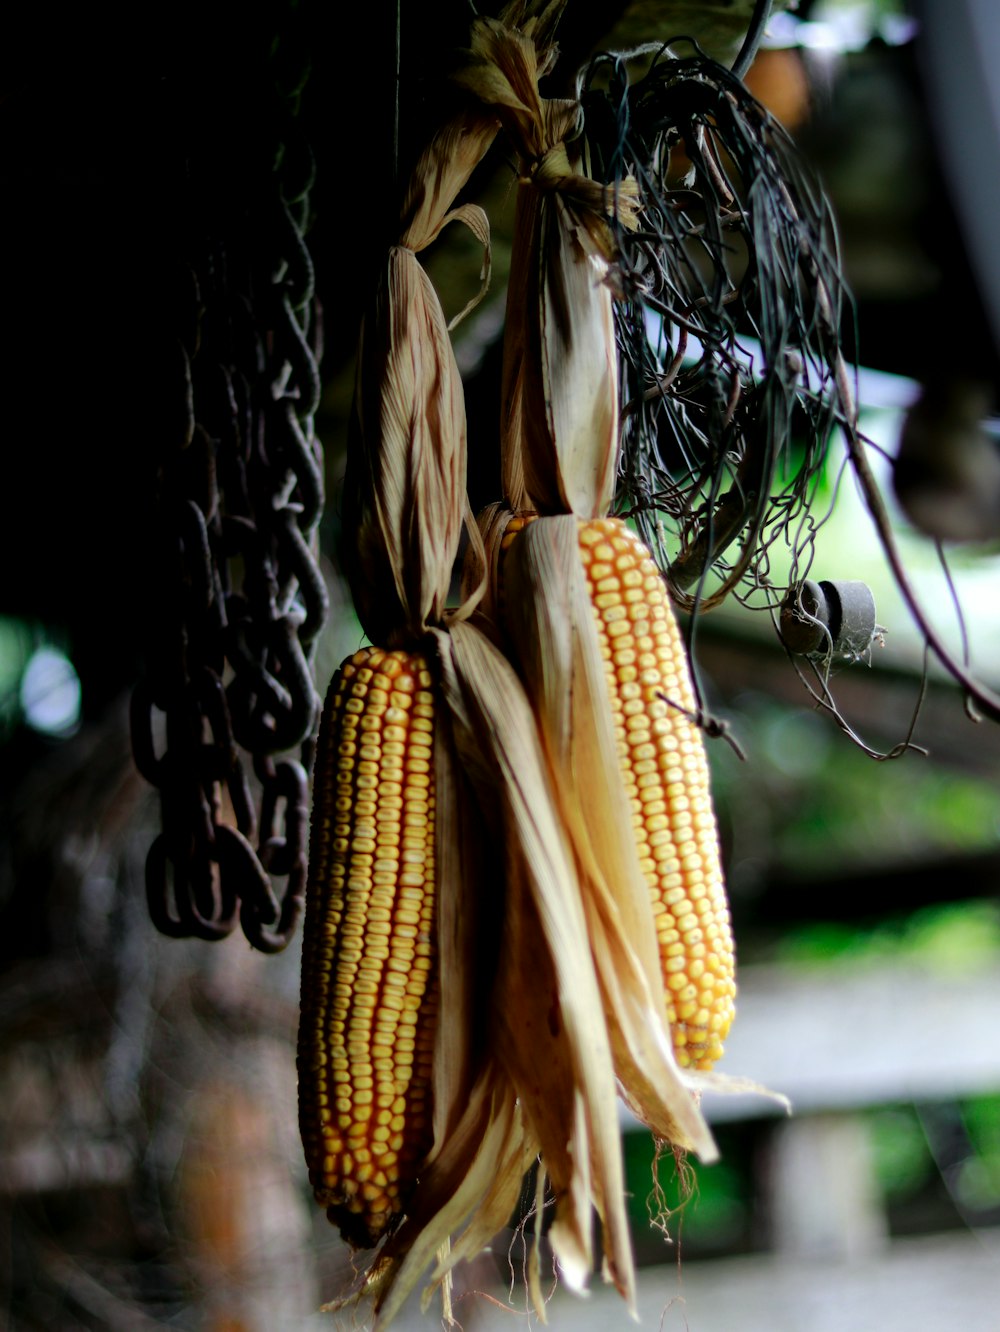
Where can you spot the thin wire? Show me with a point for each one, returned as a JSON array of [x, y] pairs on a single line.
[[761, 14], [398, 40], [956, 603]]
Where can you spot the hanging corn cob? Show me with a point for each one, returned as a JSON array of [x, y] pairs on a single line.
[[370, 1102], [369, 993], [593, 632], [544, 1077], [662, 759], [663, 762]]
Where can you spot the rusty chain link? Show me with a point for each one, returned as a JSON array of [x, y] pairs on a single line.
[[239, 598]]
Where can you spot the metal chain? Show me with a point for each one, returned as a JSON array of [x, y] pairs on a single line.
[[240, 598]]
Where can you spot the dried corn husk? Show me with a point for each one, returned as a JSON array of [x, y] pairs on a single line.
[[404, 495], [563, 1071], [549, 615], [524, 1064], [549, 1084], [559, 432], [404, 492], [563, 1075]]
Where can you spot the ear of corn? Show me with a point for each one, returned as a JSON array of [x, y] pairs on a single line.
[[368, 1007], [407, 1144], [663, 767], [665, 770]]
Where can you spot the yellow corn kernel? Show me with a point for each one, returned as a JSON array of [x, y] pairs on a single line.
[[369, 996], [666, 778], [666, 774]]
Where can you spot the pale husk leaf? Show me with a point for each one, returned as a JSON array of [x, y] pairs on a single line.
[[559, 431], [404, 496], [546, 978], [579, 366], [518, 1150], [733, 1084], [465, 931], [463, 1177], [478, 223], [534, 1040], [551, 620], [442, 170]]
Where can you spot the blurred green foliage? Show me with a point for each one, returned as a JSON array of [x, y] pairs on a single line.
[[17, 642], [952, 937], [901, 1155], [808, 802], [908, 1147]]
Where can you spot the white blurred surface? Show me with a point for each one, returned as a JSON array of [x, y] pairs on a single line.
[[853, 1037], [936, 1283]]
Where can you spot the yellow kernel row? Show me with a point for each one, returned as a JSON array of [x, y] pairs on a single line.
[[369, 997], [665, 773]]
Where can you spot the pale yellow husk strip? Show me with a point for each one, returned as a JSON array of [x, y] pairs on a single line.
[[559, 428], [551, 619]]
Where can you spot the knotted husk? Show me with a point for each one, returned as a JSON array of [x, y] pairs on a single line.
[[559, 429], [404, 490]]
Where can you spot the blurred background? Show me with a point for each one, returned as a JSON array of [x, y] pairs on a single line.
[[150, 1169]]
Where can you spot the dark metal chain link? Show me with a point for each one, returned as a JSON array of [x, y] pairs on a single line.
[[240, 598]]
